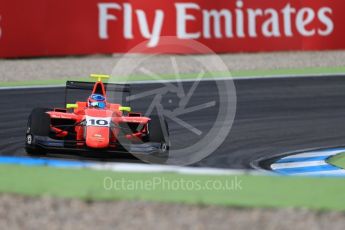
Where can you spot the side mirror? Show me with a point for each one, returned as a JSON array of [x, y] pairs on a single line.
[[125, 109], [71, 106]]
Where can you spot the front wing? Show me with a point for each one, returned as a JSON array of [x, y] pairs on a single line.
[[62, 146]]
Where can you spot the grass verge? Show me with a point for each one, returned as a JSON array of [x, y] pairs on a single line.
[[234, 74], [337, 160], [238, 191]]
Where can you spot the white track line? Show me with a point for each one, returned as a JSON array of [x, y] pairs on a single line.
[[339, 172], [291, 76], [121, 167], [133, 167], [192, 80], [315, 154], [277, 166], [31, 87]]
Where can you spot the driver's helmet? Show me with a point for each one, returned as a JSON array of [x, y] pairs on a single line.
[[96, 101]]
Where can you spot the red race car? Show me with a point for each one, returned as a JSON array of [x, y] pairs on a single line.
[[95, 125]]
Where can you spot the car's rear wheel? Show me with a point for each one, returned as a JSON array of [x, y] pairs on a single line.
[[38, 125], [159, 133]]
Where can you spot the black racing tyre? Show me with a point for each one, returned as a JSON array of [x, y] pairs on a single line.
[[39, 122], [159, 132], [38, 125]]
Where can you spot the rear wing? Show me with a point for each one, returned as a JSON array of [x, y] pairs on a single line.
[[89, 86], [80, 91]]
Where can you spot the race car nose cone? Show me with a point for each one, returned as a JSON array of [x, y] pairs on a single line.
[[97, 137]]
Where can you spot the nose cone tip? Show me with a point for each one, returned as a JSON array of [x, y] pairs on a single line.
[[97, 143]]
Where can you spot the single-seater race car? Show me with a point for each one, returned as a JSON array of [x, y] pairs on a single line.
[[95, 125]]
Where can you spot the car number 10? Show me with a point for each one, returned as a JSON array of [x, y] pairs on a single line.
[[97, 122]]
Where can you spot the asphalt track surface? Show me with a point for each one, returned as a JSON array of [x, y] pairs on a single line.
[[273, 116]]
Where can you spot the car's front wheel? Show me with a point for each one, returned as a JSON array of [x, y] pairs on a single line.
[[38, 125], [159, 133]]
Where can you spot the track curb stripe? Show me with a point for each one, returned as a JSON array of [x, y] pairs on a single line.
[[303, 159], [299, 170], [311, 163]]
